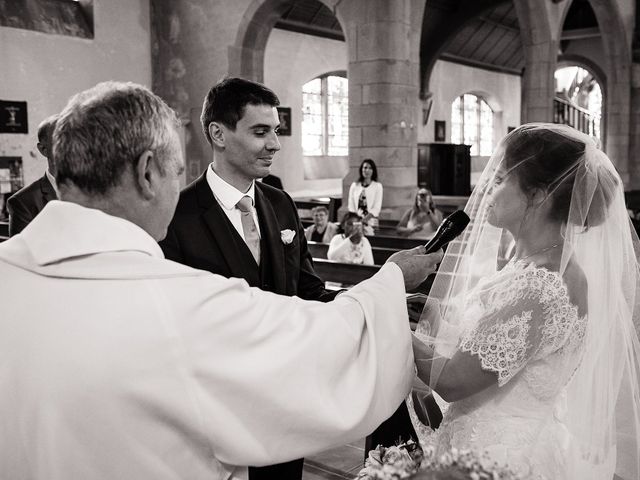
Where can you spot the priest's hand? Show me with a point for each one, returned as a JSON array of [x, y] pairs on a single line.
[[416, 265]]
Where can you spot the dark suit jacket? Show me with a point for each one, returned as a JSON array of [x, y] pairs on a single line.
[[201, 236], [27, 202], [273, 180]]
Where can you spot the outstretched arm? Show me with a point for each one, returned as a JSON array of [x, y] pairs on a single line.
[[298, 377], [461, 376]]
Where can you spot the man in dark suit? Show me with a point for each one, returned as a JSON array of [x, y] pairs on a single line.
[[229, 224], [27, 202]]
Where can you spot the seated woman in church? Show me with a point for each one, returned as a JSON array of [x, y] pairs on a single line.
[[351, 246], [322, 229], [365, 195], [423, 219], [539, 359]]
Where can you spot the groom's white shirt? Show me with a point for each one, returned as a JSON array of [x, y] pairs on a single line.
[[117, 363]]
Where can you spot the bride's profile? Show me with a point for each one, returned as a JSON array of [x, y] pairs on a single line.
[[536, 356]]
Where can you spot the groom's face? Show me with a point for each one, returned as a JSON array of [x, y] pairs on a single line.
[[250, 147]]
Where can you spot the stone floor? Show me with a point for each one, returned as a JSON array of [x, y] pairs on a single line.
[[340, 463]]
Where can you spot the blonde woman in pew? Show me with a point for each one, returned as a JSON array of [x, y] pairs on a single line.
[[423, 219], [351, 246]]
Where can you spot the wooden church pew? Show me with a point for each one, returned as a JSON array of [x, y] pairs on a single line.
[[346, 274], [380, 255]]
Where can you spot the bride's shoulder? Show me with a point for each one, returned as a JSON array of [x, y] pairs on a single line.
[[576, 282], [570, 286]]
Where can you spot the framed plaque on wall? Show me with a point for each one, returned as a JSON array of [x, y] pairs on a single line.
[[284, 114], [13, 117]]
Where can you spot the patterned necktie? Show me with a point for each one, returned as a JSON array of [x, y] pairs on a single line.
[[251, 236]]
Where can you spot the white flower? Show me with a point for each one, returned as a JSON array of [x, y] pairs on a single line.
[[287, 236]]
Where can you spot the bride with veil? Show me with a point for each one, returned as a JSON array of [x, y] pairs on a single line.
[[536, 356]]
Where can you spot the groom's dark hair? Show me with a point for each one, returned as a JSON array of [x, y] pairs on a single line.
[[226, 101]]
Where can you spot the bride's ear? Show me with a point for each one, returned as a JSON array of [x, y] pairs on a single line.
[[539, 197]]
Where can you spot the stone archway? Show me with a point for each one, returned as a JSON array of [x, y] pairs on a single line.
[[246, 55], [440, 28]]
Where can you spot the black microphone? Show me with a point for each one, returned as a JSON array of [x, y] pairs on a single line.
[[450, 228]]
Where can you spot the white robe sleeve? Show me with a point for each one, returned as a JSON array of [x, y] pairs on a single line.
[[277, 378]]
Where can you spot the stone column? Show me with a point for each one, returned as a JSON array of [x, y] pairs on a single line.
[[634, 117], [191, 42], [540, 44], [383, 42]]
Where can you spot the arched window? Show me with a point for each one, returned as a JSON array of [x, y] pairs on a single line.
[[325, 118], [472, 124], [578, 100]]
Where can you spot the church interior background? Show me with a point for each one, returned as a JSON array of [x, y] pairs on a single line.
[[357, 79]]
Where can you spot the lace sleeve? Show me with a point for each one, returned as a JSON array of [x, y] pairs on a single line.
[[526, 319]]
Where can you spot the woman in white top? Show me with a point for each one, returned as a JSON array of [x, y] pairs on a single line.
[[351, 246], [423, 219], [365, 195]]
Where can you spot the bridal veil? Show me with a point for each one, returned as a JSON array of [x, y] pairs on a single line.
[[600, 414]]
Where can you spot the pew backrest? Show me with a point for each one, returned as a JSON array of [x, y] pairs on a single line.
[[395, 243], [346, 274], [380, 254]]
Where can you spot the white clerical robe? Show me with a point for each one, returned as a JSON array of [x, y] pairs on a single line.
[[118, 364]]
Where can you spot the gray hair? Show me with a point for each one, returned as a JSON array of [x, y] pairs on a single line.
[[104, 130], [46, 127], [319, 209]]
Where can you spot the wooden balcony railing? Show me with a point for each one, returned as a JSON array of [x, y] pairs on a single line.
[[567, 113]]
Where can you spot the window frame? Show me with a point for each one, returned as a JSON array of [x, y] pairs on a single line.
[[480, 101], [325, 135]]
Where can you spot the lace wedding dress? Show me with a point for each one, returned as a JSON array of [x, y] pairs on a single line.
[[522, 325]]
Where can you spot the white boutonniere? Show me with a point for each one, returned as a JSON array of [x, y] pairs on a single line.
[[287, 236]]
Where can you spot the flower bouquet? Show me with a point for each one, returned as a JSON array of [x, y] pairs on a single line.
[[410, 461]]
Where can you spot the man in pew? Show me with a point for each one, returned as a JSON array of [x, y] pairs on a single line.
[[27, 202], [148, 369]]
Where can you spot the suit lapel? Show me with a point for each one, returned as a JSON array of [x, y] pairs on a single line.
[[47, 190], [230, 244], [270, 231]]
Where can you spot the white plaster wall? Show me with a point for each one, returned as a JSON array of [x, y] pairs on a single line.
[[450, 80], [45, 70], [501, 91], [291, 60]]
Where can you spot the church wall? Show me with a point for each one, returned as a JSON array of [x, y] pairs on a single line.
[[45, 70], [291, 60], [588, 48], [501, 91], [450, 80]]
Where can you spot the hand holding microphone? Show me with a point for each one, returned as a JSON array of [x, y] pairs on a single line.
[[450, 228], [416, 264]]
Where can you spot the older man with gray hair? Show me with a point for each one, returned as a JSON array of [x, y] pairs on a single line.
[[117, 363]]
